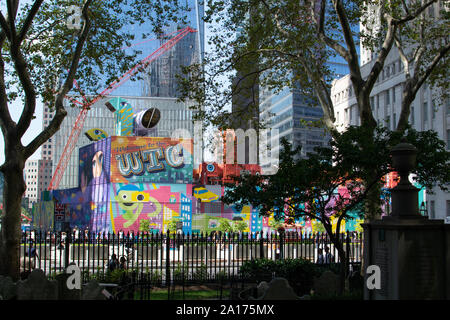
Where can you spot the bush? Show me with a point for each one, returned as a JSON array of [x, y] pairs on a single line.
[[299, 272], [200, 273]]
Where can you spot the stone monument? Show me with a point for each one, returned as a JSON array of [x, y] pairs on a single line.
[[412, 252]]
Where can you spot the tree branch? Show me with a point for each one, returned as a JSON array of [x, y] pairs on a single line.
[[60, 112], [385, 49], [321, 89], [4, 25], [411, 16], [348, 37], [413, 85], [344, 53], [29, 20], [12, 6], [439, 56], [403, 58], [5, 118]]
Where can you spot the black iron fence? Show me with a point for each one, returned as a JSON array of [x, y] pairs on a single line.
[[167, 258]]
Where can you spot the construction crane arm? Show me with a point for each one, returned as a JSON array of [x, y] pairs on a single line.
[[79, 122]]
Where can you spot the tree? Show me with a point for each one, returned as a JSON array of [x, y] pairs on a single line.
[[42, 53], [309, 187], [290, 42], [172, 226], [276, 223], [225, 226], [144, 225], [239, 226]]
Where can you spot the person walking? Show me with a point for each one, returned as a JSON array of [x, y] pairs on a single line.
[[329, 258], [320, 258], [113, 264], [122, 263]]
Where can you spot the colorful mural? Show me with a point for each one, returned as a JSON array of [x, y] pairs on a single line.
[[149, 159], [43, 214], [123, 125], [129, 183], [94, 177], [212, 212], [157, 204]]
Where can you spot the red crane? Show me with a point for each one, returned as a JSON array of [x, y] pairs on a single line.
[[79, 122]]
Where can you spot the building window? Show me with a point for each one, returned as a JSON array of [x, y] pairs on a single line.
[[394, 122], [432, 210], [387, 98], [425, 111], [448, 208], [448, 139], [431, 11]]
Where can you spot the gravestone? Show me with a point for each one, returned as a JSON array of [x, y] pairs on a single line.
[[278, 289], [8, 289], [64, 293], [412, 258], [92, 291], [356, 281], [412, 252], [327, 284], [37, 287], [262, 288]]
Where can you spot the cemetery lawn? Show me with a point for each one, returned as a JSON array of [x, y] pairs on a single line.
[[190, 293]]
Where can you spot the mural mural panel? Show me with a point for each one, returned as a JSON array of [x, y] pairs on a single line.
[[94, 178], [150, 159], [149, 206]]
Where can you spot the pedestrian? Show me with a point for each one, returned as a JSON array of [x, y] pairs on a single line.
[[320, 258], [76, 234], [122, 263], [113, 264], [329, 258], [28, 262]]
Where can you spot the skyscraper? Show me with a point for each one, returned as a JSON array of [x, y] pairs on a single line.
[[289, 111], [159, 78]]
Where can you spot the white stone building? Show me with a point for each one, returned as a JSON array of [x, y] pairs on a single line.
[[428, 111], [37, 176]]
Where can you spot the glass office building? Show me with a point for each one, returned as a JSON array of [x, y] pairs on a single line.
[[159, 79], [288, 110]]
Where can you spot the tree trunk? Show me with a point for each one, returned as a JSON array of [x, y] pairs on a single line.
[[372, 203], [11, 232], [338, 244]]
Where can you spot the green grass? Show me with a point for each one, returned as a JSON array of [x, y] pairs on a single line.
[[188, 295]]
